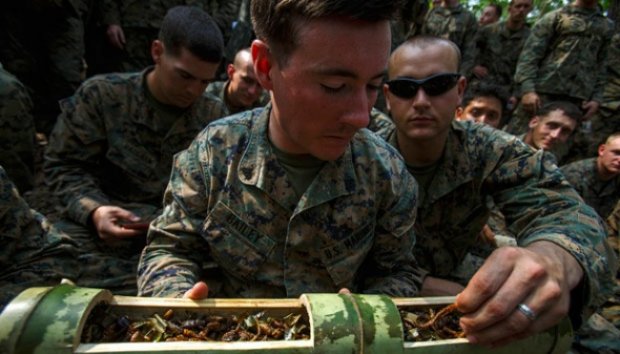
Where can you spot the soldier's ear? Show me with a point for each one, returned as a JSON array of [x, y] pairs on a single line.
[[533, 122], [386, 94], [263, 62], [157, 50]]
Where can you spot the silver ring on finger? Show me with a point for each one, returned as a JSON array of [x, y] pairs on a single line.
[[527, 311]]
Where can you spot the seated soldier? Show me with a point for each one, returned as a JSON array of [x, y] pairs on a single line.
[[552, 127], [560, 265], [33, 252], [296, 197], [483, 102], [241, 91], [110, 155]]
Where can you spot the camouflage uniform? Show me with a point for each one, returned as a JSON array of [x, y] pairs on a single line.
[[140, 21], [497, 48], [600, 195], [563, 58], [537, 202], [17, 134], [458, 25], [33, 252], [218, 89], [229, 200], [607, 120], [111, 147]]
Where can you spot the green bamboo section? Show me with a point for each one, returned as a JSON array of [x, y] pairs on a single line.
[[51, 321]]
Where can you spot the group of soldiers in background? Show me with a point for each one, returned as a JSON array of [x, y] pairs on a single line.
[[567, 60]]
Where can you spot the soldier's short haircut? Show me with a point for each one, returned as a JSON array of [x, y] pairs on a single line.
[[425, 41], [277, 22], [612, 137], [485, 89], [569, 109], [191, 28]]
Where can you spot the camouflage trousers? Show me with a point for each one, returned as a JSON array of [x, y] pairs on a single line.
[[604, 123], [105, 265]]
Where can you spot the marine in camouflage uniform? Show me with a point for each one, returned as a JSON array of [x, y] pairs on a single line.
[[17, 133], [600, 195], [218, 89], [457, 24], [497, 48], [113, 145], [526, 186], [33, 252], [230, 200], [606, 121], [563, 60]]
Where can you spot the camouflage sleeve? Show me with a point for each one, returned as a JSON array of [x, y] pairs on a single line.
[[391, 267], [468, 49], [480, 44], [540, 205], [110, 12], [17, 131], [534, 51], [76, 146], [170, 262]]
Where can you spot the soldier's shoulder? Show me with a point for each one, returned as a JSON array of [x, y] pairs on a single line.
[[231, 128], [481, 139], [110, 80]]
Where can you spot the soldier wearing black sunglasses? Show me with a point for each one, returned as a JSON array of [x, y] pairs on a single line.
[[518, 291]]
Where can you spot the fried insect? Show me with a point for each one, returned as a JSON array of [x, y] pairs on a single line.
[[103, 326], [428, 325]]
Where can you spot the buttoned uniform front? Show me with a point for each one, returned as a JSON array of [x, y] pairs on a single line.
[[230, 201], [600, 195], [527, 187], [111, 146]]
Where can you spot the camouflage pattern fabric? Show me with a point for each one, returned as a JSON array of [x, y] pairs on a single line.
[[378, 120], [218, 89], [600, 195], [33, 252], [410, 21], [565, 54], [17, 133], [526, 186], [497, 49], [597, 336], [111, 147], [458, 25], [229, 201]]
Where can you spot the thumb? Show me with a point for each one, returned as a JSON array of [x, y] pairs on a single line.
[[199, 291]]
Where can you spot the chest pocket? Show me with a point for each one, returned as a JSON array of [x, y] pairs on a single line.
[[237, 246], [342, 258]]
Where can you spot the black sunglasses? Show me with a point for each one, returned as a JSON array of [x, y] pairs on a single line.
[[434, 85]]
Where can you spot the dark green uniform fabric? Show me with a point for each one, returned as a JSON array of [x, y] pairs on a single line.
[[600, 195], [33, 252], [458, 25], [17, 132], [230, 201], [111, 147], [525, 185]]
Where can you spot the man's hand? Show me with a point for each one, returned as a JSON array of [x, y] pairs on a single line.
[[480, 71], [590, 107], [531, 102], [199, 291], [539, 276], [109, 220], [116, 36]]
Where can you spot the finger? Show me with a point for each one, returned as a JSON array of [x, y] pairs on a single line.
[[199, 291], [125, 215], [484, 283]]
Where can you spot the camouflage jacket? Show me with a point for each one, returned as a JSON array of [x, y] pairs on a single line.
[[565, 54], [456, 24], [141, 13], [218, 89], [600, 195], [109, 146], [33, 252], [17, 132], [611, 92], [527, 187], [497, 48], [229, 201]]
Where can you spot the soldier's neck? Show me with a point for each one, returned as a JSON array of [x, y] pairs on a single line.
[[421, 152], [514, 25]]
